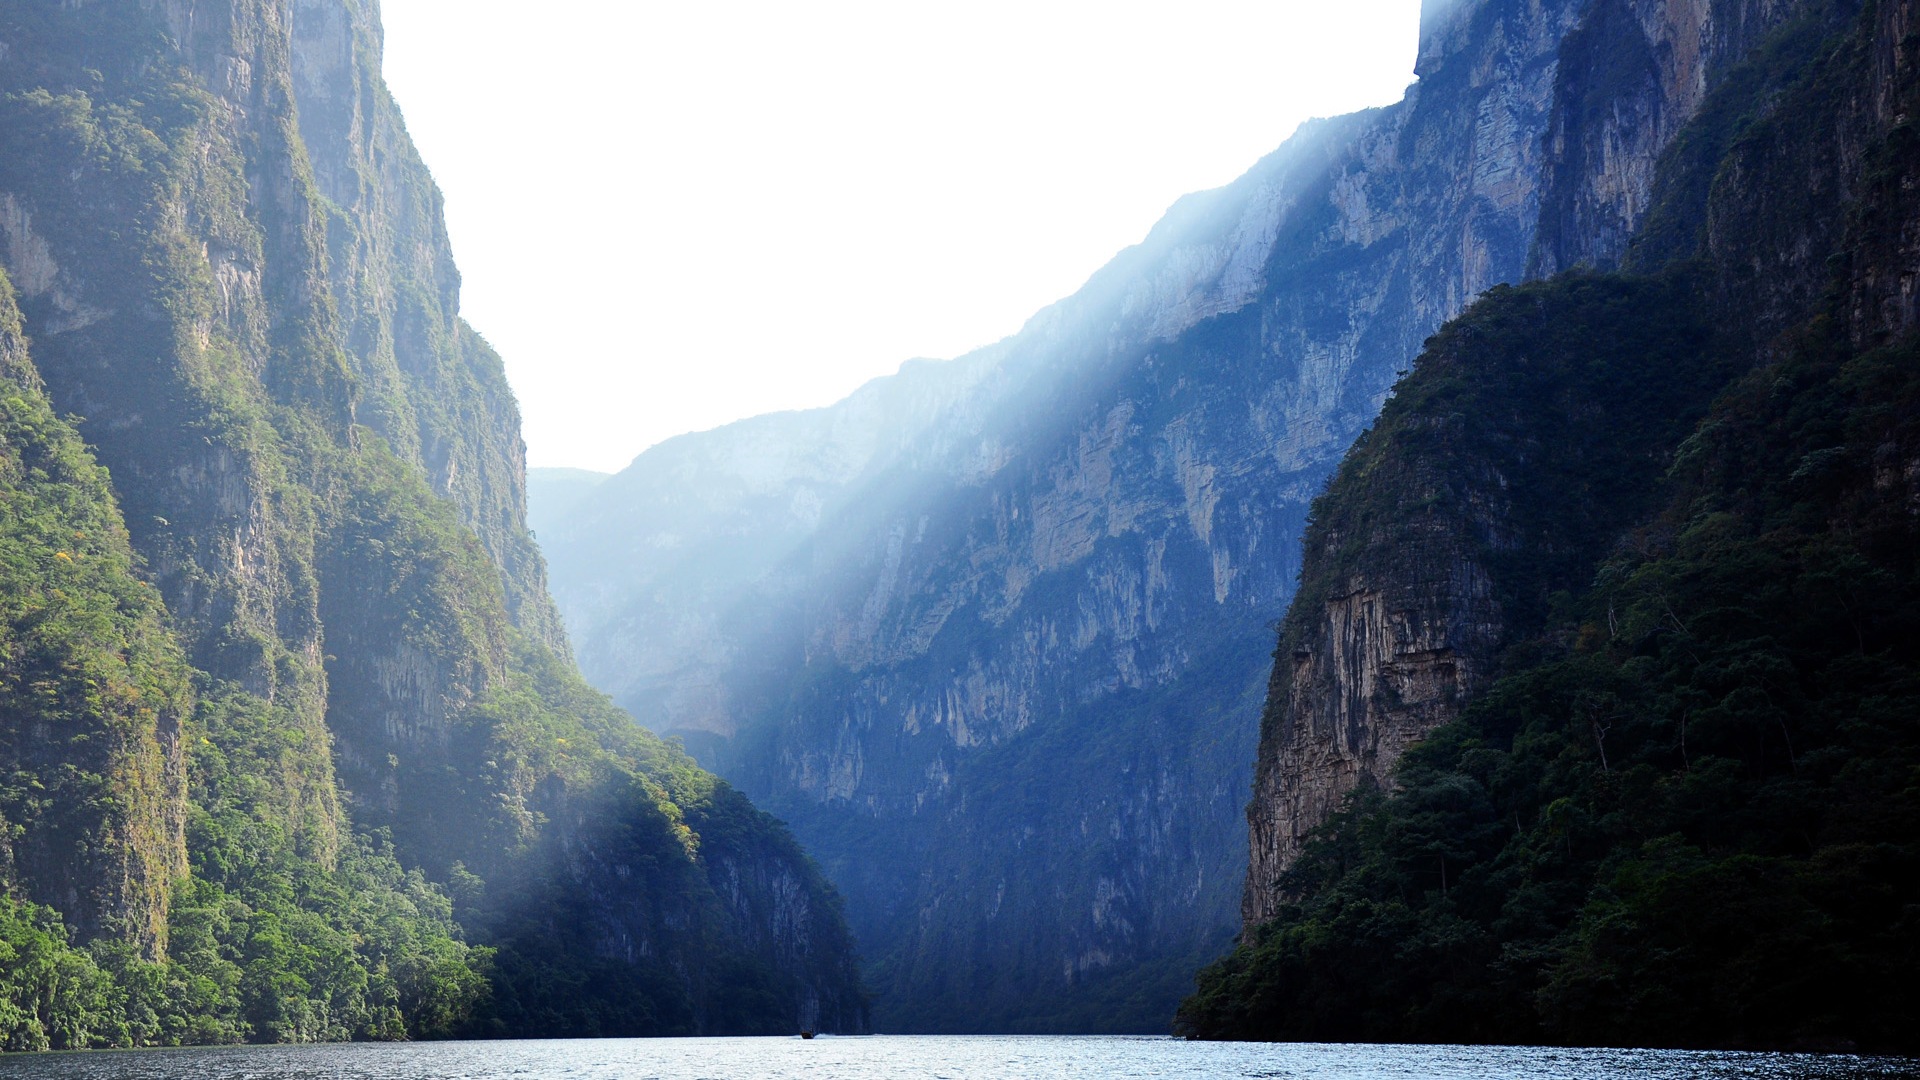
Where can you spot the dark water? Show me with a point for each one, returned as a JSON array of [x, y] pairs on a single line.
[[908, 1057]]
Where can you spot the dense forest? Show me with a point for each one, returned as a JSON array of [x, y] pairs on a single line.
[[291, 743], [1682, 810]]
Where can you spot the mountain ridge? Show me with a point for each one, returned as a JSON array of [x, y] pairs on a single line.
[[1094, 529]]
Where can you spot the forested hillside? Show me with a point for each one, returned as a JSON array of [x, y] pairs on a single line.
[[1659, 528], [294, 747]]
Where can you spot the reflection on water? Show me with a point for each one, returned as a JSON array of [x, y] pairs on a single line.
[[935, 1057]]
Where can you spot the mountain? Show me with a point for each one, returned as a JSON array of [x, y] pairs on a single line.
[[993, 633], [551, 493], [294, 747], [1592, 720]]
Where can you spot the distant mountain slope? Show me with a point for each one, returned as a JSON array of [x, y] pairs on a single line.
[[356, 725], [552, 493], [990, 632]]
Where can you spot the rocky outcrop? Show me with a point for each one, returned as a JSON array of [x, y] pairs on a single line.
[[1400, 649], [987, 631]]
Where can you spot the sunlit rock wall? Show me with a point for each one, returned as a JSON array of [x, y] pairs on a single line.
[[993, 633]]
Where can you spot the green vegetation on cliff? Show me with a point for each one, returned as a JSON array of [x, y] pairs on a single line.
[[1683, 811], [92, 683], [1686, 814], [203, 921], [291, 747]]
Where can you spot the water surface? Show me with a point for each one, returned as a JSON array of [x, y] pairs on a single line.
[[935, 1057]]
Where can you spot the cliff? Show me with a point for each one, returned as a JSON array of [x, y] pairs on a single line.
[[232, 265], [426, 382], [989, 632], [1489, 484], [94, 687], [1633, 520], [1407, 618]]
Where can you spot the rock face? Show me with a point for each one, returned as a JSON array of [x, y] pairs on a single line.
[[1407, 623], [1633, 75], [989, 632], [1401, 640], [1593, 529], [232, 263], [93, 688], [427, 383]]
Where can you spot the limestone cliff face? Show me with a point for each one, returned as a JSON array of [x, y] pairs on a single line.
[[428, 384], [93, 689], [1406, 636], [1634, 74], [194, 257], [1884, 299], [988, 632], [273, 345], [1406, 620], [234, 266]]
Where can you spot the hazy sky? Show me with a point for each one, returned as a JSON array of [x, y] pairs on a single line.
[[673, 215]]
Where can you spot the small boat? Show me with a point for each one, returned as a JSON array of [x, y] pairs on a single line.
[[806, 1034]]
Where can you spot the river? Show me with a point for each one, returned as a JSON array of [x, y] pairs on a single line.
[[935, 1057]]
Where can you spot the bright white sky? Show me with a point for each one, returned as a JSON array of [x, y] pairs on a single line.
[[670, 215]]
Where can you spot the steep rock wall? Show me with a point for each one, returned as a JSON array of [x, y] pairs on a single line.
[[166, 250], [1666, 148], [428, 383], [94, 692], [1632, 76], [986, 632], [235, 268]]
